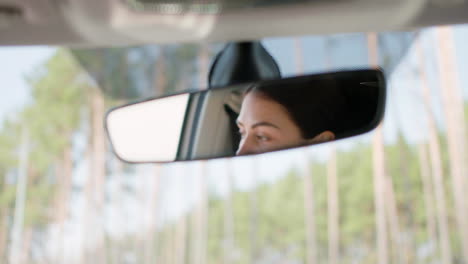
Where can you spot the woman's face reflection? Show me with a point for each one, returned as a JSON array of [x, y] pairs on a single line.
[[265, 125]]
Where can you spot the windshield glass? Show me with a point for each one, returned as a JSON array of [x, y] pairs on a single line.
[[395, 195]]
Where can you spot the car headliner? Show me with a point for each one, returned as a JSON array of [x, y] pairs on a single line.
[[111, 22]]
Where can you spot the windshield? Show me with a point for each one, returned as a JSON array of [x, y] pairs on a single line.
[[395, 195]]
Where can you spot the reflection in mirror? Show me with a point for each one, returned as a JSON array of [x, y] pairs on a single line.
[[250, 118], [148, 131]]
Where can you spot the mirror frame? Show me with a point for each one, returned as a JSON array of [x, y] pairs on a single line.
[[379, 115]]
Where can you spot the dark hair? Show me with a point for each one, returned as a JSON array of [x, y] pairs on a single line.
[[314, 105]]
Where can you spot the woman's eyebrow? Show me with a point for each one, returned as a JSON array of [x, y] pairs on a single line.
[[262, 123], [265, 124]]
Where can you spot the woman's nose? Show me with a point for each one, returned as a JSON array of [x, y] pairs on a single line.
[[245, 147]]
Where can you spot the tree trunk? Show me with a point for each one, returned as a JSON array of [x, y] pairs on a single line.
[[26, 247], [228, 245], [253, 221], [181, 241], [151, 216], [3, 233], [194, 235], [64, 185], [309, 207], [170, 242], [394, 226], [20, 200], [309, 212], [379, 196], [95, 241], [406, 248], [115, 250], [333, 210], [99, 171], [299, 56], [166, 247], [428, 193], [379, 170], [455, 122], [199, 220], [160, 73], [437, 173]]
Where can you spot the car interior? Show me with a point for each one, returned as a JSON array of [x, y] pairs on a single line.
[[210, 128], [208, 131]]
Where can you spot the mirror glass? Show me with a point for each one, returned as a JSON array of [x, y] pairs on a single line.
[[155, 123], [250, 118]]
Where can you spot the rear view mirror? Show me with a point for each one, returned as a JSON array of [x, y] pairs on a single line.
[[250, 118]]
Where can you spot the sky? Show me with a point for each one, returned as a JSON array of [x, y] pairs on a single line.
[[18, 62]]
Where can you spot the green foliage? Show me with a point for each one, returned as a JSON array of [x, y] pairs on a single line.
[[8, 142], [58, 91], [280, 226], [133, 73], [356, 195], [281, 199], [110, 68], [7, 196], [39, 198]]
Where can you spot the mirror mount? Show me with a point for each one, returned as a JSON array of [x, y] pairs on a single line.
[[242, 62]]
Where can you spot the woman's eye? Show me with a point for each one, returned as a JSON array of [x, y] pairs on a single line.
[[262, 138]]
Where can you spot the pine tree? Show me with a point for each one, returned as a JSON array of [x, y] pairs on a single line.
[[452, 98], [436, 169], [379, 170]]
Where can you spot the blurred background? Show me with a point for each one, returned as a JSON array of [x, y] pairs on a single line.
[[395, 195]]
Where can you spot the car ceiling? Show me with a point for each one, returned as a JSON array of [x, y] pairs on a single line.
[[126, 22]]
